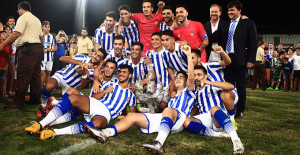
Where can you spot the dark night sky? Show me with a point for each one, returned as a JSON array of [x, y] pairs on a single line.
[[269, 16]]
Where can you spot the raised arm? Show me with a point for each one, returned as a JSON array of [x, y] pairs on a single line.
[[190, 81], [226, 59]]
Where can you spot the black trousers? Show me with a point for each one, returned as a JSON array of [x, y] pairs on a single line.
[[236, 75]]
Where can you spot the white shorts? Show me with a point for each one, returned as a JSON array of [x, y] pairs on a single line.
[[154, 121], [97, 108], [207, 120], [61, 82], [47, 65]]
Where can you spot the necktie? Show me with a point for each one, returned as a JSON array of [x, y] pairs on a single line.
[[230, 36]]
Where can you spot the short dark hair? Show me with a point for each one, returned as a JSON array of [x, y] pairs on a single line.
[[45, 22], [112, 14], [236, 4], [266, 48], [124, 66], [112, 61], [124, 7], [168, 33], [182, 72], [181, 6], [144, 1], [200, 67], [197, 52], [139, 44], [84, 28], [167, 7], [156, 34], [24, 5], [119, 37], [2, 32], [10, 17], [102, 50]]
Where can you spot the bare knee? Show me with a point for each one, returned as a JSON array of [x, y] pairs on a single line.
[[213, 110], [72, 90], [186, 122], [226, 95], [99, 122], [51, 84]]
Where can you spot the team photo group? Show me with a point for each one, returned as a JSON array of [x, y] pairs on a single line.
[[159, 71]]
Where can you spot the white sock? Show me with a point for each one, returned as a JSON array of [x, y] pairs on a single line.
[[109, 132], [48, 119], [162, 136], [55, 102], [62, 119], [233, 135], [232, 117], [64, 131]]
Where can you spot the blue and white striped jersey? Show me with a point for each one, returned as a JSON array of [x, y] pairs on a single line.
[[183, 101], [209, 97], [177, 60], [214, 71], [160, 67], [49, 42], [69, 74], [140, 70], [114, 79], [117, 100], [105, 40], [131, 33], [163, 26], [111, 55]]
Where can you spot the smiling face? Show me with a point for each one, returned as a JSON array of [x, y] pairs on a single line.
[[215, 13], [181, 14], [156, 41], [234, 13], [125, 16], [46, 28], [109, 23], [118, 46], [124, 75], [136, 51], [97, 57], [180, 81], [199, 75], [167, 15], [167, 42], [109, 69]]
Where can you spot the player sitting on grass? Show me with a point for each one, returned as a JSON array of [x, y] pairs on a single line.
[[213, 115], [171, 118], [114, 98]]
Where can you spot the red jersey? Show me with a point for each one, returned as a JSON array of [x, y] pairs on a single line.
[[194, 33], [4, 55], [146, 28]]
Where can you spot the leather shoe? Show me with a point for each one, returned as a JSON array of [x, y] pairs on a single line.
[[14, 106], [238, 115]]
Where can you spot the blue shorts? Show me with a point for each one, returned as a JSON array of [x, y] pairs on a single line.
[[288, 76]]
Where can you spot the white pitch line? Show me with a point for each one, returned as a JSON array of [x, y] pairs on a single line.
[[76, 147]]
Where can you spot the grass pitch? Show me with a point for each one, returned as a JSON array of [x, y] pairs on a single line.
[[271, 125]]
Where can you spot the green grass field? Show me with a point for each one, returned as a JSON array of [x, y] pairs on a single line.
[[271, 125]]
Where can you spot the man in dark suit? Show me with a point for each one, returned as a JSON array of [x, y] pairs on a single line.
[[241, 45], [214, 32]]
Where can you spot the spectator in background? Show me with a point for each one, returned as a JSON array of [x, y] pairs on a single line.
[[61, 51], [29, 40], [296, 62], [4, 56], [168, 17], [271, 50], [280, 49], [290, 52], [288, 70], [191, 31], [267, 66], [50, 48], [84, 44], [273, 63], [11, 22], [259, 67], [11, 64], [148, 23], [276, 74]]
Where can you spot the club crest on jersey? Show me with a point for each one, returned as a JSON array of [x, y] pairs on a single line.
[[156, 22], [192, 34]]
